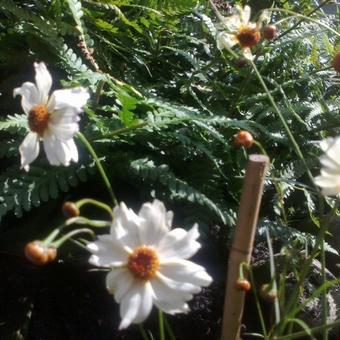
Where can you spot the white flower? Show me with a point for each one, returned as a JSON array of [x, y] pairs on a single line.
[[240, 31], [148, 262], [53, 119], [329, 180]]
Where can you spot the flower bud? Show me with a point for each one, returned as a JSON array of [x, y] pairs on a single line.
[[268, 293], [241, 62], [40, 254], [336, 62], [242, 284], [243, 138], [70, 210], [269, 32]]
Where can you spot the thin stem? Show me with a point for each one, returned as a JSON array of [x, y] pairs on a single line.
[[126, 129], [72, 233], [257, 302], [87, 221], [96, 203], [161, 325], [53, 234], [285, 125], [169, 329], [142, 332], [99, 166]]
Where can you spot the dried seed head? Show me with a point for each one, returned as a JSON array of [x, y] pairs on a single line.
[[40, 254], [270, 32], [242, 284], [243, 138], [336, 62], [70, 209]]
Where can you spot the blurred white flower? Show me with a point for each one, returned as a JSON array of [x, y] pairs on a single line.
[[148, 262], [240, 31], [53, 119], [329, 179]]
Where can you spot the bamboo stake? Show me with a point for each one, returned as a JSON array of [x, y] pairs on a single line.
[[243, 244]]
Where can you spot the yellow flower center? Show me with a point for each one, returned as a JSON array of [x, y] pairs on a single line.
[[38, 118], [248, 36], [143, 263]]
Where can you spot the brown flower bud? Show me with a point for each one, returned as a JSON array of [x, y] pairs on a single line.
[[268, 293], [336, 62], [70, 210], [242, 284], [40, 254], [241, 62], [270, 32], [243, 138]]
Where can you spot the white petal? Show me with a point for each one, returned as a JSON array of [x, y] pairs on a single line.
[[186, 271], [232, 23], [169, 300], [125, 226], [118, 282], [136, 304], [247, 53], [64, 131], [49, 147], [245, 14], [68, 115], [179, 243], [106, 252], [43, 80], [154, 225], [72, 150], [29, 96], [329, 184], [75, 98], [29, 150], [226, 40]]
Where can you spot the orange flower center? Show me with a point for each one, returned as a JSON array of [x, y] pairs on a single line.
[[143, 263], [248, 37], [38, 119]]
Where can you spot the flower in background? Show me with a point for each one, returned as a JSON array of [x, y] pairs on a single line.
[[148, 262], [52, 119], [329, 179], [241, 31]]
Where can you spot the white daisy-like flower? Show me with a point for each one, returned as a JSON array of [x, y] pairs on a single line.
[[329, 179], [148, 262], [240, 31], [53, 119]]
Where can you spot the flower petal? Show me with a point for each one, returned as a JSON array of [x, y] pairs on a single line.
[[247, 53], [58, 151], [29, 150], [75, 98], [154, 223], [68, 115], [232, 22], [226, 40], [29, 96], [168, 299], [64, 131], [118, 282], [125, 226], [106, 252], [185, 271], [179, 243], [43, 80], [136, 304], [245, 14]]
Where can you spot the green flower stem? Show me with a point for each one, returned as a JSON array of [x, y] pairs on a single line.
[[96, 203], [285, 125], [87, 221], [142, 332], [169, 329], [301, 334], [258, 305], [72, 233], [53, 234], [99, 166], [161, 325], [126, 129]]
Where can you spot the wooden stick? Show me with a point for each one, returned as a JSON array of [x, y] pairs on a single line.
[[243, 244]]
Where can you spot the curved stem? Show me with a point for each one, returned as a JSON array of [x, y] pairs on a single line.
[[72, 233], [99, 166], [87, 221], [96, 203]]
